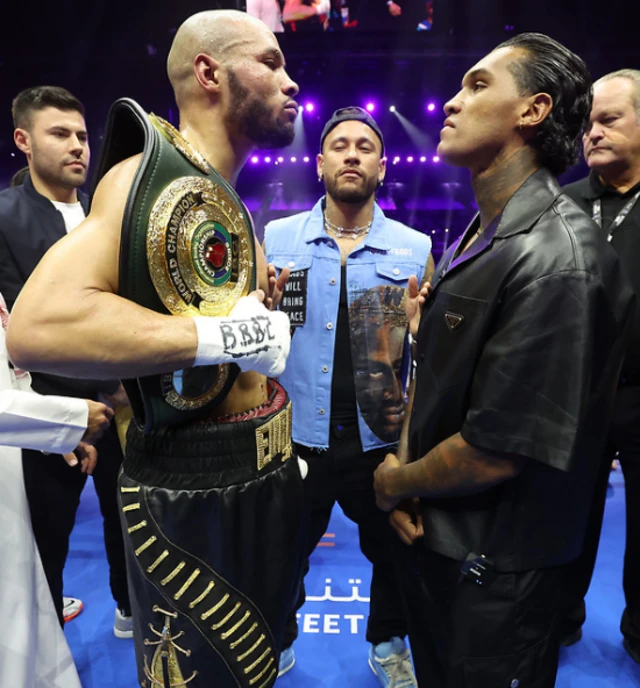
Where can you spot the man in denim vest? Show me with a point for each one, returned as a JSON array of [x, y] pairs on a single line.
[[346, 373]]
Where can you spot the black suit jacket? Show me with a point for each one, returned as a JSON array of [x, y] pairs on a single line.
[[29, 226]]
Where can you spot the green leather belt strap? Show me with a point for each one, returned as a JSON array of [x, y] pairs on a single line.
[[187, 248]]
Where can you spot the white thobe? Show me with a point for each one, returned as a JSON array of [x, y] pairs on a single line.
[[33, 649]]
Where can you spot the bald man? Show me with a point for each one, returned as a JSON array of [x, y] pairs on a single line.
[[211, 505]]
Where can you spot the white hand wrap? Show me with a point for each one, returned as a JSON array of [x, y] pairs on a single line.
[[251, 336]]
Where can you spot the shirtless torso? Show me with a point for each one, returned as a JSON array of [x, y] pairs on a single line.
[[211, 511]]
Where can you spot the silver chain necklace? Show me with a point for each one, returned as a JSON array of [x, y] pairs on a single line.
[[343, 232]]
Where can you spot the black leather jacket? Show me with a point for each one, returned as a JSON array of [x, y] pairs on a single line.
[[519, 349]]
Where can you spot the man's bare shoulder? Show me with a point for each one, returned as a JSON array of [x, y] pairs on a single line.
[[113, 190]]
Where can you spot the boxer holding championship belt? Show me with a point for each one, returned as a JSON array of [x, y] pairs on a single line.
[[211, 503], [188, 249], [158, 292]]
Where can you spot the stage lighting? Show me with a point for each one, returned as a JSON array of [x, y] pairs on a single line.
[[370, 107], [410, 158], [294, 159], [306, 158], [267, 159], [254, 159], [423, 158], [280, 159], [431, 107], [309, 107], [392, 108], [436, 158]]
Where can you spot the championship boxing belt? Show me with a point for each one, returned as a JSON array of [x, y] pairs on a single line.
[[187, 249]]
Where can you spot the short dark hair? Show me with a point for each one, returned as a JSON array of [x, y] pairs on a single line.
[[550, 67], [38, 98]]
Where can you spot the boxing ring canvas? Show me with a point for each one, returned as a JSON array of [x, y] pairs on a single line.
[[331, 651]]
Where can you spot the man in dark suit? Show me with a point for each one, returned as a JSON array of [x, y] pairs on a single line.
[[611, 195], [50, 131]]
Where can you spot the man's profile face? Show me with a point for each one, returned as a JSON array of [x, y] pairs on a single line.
[[351, 163], [611, 142], [483, 117], [261, 93], [57, 146]]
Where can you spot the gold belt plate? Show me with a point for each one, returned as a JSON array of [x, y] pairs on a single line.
[[199, 248]]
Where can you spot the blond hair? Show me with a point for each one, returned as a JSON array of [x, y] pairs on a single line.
[[632, 75]]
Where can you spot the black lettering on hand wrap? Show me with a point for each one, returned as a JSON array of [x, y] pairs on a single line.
[[242, 337]]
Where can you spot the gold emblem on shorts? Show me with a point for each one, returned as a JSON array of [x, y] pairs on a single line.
[[164, 669], [274, 437]]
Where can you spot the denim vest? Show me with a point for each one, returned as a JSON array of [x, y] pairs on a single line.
[[377, 275]]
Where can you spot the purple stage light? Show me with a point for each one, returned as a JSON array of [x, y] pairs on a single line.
[[254, 159], [431, 107], [410, 158], [280, 159], [436, 158], [423, 158], [309, 107], [396, 160], [267, 159], [370, 107], [294, 159], [306, 158]]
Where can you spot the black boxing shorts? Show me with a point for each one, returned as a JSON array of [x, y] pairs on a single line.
[[212, 516]]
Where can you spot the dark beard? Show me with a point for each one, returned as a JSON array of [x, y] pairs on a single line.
[[254, 120], [351, 194]]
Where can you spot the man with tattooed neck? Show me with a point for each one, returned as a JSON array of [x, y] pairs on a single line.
[[611, 195], [519, 348]]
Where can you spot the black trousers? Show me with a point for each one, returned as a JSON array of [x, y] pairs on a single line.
[[344, 474], [624, 438], [464, 635], [53, 492]]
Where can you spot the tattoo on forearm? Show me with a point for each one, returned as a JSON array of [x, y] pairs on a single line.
[[455, 468]]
